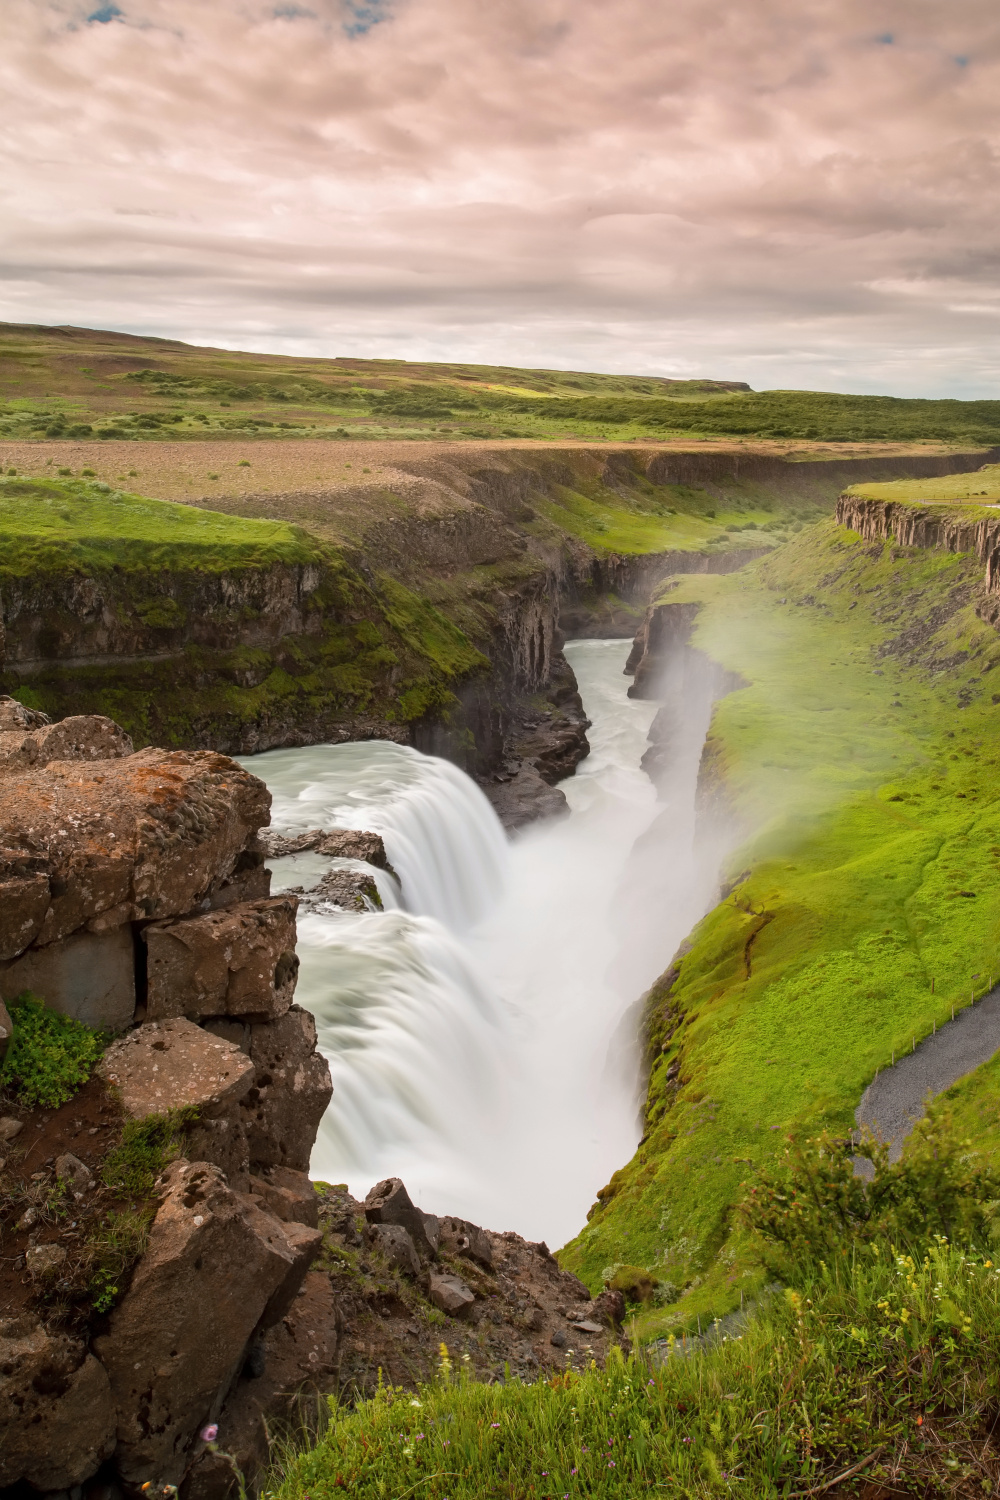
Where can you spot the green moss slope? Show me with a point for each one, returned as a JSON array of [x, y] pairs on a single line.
[[863, 760], [78, 525]]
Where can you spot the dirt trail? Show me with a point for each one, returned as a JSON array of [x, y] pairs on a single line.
[[894, 1101]]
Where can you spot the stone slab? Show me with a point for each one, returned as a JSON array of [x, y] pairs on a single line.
[[89, 976], [170, 1064]]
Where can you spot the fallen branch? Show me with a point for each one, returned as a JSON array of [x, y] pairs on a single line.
[[847, 1474]]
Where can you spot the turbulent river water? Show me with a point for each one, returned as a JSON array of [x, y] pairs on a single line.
[[482, 1029]]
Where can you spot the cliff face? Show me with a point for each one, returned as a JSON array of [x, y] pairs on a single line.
[[159, 612], [920, 526], [712, 467]]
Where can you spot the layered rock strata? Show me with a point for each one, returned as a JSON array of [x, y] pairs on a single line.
[[932, 527]]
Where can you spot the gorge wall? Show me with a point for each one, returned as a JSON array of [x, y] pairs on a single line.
[[920, 526]]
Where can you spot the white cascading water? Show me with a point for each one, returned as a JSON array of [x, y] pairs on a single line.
[[481, 1031]]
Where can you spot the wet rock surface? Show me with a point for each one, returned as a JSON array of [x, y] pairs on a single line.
[[347, 890], [546, 742], [337, 843]]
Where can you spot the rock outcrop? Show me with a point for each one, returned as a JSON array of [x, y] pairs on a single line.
[[133, 897]]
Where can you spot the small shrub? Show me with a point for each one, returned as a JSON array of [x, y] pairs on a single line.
[[50, 1056], [817, 1208], [634, 1283]]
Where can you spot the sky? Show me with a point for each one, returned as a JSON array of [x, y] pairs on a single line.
[[796, 193]]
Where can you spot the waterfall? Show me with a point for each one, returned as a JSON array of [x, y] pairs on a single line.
[[440, 833], [482, 1036]]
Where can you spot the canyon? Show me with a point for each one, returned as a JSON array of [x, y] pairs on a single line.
[[137, 897]]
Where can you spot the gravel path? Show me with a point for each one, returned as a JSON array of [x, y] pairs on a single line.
[[894, 1101]]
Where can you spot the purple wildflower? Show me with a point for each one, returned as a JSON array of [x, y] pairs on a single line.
[[210, 1433]]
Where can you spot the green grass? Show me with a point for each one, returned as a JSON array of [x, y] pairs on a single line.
[[974, 1104], [864, 777], [63, 525], [982, 487], [50, 1055], [146, 1147], [887, 1359], [663, 518]]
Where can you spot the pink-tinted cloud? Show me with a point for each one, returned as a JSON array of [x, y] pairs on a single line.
[[790, 192]]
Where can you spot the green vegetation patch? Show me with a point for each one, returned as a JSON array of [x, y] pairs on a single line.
[[50, 1055], [860, 763], [981, 487], [64, 525]]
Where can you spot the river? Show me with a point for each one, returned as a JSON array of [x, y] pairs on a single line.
[[482, 1029]]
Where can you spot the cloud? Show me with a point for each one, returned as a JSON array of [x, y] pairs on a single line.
[[742, 191]]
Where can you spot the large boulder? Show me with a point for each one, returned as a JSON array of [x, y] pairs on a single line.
[[459, 1237], [240, 961], [217, 1270], [292, 1089], [450, 1294], [147, 836], [81, 737], [390, 1203], [300, 1356], [395, 1245], [57, 1415]]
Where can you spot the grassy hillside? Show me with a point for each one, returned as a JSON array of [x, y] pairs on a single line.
[[75, 383], [884, 1367], [861, 764]]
